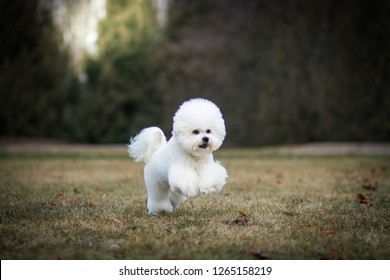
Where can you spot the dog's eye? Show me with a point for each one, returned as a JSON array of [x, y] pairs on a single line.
[[195, 132], [208, 131]]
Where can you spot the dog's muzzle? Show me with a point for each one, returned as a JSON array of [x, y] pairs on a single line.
[[204, 144]]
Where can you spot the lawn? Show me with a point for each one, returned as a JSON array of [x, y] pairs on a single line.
[[92, 205]]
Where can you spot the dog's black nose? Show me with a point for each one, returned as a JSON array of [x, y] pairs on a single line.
[[205, 139]]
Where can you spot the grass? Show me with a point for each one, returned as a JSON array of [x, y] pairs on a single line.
[[91, 205]]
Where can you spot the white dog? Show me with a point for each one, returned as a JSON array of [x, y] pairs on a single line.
[[184, 166]]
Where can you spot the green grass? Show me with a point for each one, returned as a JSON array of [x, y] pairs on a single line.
[[92, 205]]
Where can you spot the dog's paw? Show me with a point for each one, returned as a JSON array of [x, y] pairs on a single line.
[[190, 191], [183, 181], [213, 178], [186, 188], [208, 190], [159, 208], [211, 189]]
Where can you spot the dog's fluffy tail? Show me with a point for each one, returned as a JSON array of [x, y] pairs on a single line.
[[144, 144]]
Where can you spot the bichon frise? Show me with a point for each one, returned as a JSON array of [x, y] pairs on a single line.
[[184, 166]]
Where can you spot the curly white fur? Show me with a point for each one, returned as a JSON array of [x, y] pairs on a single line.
[[184, 166]]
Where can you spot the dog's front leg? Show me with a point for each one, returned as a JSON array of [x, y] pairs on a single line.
[[212, 178], [183, 180]]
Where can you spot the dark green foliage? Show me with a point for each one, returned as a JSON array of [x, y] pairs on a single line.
[[121, 95], [281, 71], [33, 72], [286, 71]]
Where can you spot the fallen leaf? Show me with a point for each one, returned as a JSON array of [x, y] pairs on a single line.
[[76, 190], [242, 220], [59, 196], [242, 214], [59, 256], [259, 255], [51, 204], [362, 199]]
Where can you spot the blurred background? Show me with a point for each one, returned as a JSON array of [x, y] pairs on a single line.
[[281, 71]]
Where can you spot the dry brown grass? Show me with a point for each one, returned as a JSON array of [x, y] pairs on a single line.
[[91, 205]]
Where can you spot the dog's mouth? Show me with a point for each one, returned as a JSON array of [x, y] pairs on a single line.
[[203, 146]]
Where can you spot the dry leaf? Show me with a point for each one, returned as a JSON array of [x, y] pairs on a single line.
[[242, 214], [259, 255], [76, 190], [59, 196], [362, 199], [242, 220], [59, 256]]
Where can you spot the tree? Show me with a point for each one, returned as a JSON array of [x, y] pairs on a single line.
[[120, 95], [33, 72]]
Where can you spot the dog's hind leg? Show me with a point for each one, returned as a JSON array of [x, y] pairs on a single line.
[[177, 199], [158, 197]]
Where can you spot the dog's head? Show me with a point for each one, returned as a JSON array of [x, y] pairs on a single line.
[[198, 126]]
